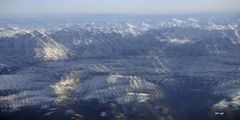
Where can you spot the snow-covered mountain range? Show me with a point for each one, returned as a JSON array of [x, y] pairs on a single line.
[[128, 62]]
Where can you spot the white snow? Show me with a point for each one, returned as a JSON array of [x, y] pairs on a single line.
[[177, 20], [193, 20]]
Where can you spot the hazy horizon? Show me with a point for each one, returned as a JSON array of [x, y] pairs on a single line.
[[34, 7]]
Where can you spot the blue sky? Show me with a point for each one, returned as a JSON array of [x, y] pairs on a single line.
[[117, 6]]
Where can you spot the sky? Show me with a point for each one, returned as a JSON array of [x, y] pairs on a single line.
[[12, 7]]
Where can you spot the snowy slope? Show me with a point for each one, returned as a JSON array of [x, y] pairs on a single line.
[[30, 47]]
